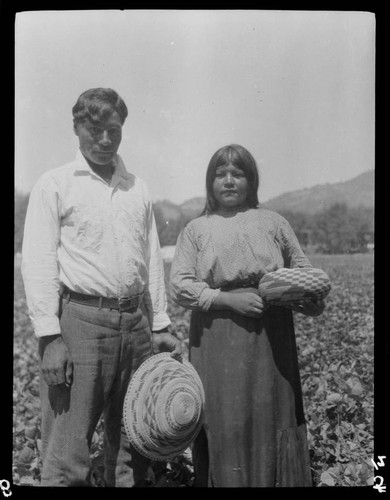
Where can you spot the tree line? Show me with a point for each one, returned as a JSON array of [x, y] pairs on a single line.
[[338, 229]]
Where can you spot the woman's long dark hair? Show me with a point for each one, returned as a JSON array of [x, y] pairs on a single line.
[[241, 158]]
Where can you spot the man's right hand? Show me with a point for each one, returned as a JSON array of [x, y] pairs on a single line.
[[56, 362]]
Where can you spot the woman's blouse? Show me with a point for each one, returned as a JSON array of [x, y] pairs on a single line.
[[231, 249]]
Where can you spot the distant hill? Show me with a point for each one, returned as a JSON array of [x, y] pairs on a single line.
[[168, 210], [358, 191], [187, 210], [193, 207], [355, 192]]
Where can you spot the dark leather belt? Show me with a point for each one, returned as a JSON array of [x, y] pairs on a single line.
[[122, 304]]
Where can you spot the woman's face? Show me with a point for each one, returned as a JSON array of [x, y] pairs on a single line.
[[230, 187]]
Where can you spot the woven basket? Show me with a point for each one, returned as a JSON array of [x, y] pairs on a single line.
[[163, 407], [286, 286]]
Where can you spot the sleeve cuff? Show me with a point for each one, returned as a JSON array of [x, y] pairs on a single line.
[[207, 298], [46, 326], [160, 320]]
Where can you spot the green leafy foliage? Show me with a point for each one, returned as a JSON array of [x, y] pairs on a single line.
[[336, 364], [341, 230], [336, 355]]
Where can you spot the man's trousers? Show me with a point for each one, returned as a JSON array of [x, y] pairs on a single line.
[[106, 347]]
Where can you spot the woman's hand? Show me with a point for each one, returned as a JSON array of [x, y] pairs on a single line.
[[246, 303], [309, 307]]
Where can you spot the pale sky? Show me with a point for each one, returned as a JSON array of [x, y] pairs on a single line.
[[296, 88]]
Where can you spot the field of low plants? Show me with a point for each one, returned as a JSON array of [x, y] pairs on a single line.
[[336, 355]]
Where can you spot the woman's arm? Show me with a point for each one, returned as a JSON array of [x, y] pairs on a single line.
[[246, 303], [186, 288], [294, 256], [292, 253], [191, 292]]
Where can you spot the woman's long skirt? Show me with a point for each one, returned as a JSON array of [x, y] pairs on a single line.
[[254, 433]]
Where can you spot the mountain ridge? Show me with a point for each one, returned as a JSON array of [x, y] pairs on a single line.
[[358, 191]]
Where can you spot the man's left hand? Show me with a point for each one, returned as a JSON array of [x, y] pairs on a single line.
[[166, 342]]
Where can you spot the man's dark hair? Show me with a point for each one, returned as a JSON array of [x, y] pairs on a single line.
[[97, 105]]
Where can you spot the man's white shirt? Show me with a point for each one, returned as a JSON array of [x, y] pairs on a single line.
[[92, 237]]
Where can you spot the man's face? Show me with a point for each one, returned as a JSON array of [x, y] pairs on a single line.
[[99, 141]]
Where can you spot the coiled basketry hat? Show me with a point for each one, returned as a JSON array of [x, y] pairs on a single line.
[[286, 286], [163, 407]]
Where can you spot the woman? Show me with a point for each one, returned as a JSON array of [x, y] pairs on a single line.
[[254, 432]]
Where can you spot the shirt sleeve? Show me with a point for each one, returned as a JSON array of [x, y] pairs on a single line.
[[156, 300], [186, 288], [39, 259], [292, 252]]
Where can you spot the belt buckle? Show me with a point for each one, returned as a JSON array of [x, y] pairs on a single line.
[[126, 303]]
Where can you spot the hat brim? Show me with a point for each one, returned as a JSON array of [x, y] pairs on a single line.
[[163, 407]]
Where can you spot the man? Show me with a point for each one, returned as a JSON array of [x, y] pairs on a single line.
[[94, 282]]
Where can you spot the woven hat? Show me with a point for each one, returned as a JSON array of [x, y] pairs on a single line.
[[163, 408], [286, 286]]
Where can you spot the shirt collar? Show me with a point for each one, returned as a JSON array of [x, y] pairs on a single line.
[[120, 175]]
